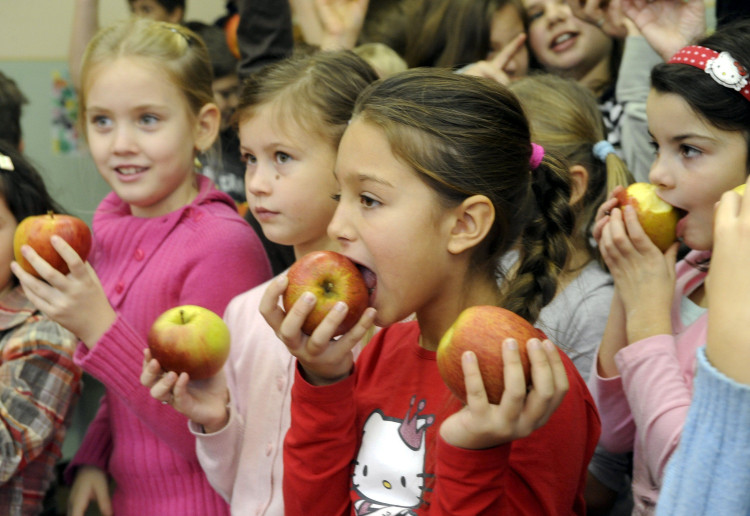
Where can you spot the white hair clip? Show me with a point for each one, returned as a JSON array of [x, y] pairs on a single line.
[[6, 163]]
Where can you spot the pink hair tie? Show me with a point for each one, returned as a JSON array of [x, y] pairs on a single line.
[[537, 153]]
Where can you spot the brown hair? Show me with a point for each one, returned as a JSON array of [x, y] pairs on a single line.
[[466, 136]]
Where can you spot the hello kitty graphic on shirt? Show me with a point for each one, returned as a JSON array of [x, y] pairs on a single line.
[[389, 474]]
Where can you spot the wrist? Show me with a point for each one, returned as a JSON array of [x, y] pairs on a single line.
[[219, 421]]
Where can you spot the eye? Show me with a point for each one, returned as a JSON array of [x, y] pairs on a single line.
[[654, 146], [689, 151], [148, 119], [403, 481], [368, 202], [248, 159], [534, 15], [336, 197], [282, 157], [101, 121]]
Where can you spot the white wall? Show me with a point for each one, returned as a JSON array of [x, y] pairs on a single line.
[[40, 29]]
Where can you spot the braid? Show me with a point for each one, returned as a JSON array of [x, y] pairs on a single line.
[[544, 244]]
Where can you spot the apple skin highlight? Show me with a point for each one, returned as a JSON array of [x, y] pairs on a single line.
[[482, 329]]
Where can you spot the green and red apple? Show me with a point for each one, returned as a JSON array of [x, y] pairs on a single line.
[[36, 231], [657, 217], [331, 277], [190, 339], [482, 329]]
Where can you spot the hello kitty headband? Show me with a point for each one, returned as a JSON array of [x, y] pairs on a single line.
[[721, 66]]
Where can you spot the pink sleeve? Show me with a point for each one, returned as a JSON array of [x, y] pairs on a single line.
[[658, 394], [618, 427], [96, 446]]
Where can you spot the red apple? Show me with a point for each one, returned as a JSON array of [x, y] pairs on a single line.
[[482, 329], [658, 218], [230, 31], [190, 339], [332, 277], [36, 232]]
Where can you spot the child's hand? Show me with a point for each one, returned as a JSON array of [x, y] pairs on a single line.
[[605, 14], [323, 359], [667, 25], [643, 275], [602, 214], [203, 401], [495, 68], [76, 301], [91, 484], [481, 424]]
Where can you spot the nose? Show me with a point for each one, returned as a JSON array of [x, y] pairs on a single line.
[[340, 228], [557, 11], [124, 141], [258, 179], [660, 174]]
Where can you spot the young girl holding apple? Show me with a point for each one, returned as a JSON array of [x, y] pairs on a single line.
[[164, 237], [38, 379], [437, 179], [643, 382], [291, 118]]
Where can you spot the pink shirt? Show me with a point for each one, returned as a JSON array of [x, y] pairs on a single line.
[[644, 409]]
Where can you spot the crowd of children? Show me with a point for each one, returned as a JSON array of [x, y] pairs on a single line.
[[461, 154]]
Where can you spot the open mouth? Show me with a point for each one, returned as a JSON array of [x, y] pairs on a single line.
[[129, 171], [562, 39], [371, 281]]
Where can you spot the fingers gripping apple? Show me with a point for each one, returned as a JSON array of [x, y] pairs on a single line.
[[36, 232], [331, 277], [482, 329]]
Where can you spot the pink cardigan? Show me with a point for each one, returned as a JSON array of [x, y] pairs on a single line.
[[202, 254], [644, 409]]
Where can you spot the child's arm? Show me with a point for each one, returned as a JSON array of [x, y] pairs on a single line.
[[85, 25], [39, 384], [709, 472]]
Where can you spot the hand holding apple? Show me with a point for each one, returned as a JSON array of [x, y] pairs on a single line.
[[331, 277], [658, 218], [36, 230], [190, 339], [482, 329]]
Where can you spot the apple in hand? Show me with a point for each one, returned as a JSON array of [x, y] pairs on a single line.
[[36, 231], [657, 217], [482, 329], [190, 339], [331, 277]]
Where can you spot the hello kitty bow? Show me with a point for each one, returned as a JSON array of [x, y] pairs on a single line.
[[721, 66]]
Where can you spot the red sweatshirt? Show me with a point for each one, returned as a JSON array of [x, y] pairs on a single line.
[[370, 445]]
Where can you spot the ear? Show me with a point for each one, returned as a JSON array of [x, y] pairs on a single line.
[[470, 222], [207, 126], [580, 179]]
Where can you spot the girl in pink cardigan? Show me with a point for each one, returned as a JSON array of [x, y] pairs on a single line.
[[164, 237], [699, 117]]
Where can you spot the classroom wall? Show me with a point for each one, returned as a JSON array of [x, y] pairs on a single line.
[[34, 36]]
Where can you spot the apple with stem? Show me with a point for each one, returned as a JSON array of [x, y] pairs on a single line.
[[331, 277], [190, 339], [36, 231], [657, 217], [482, 329]]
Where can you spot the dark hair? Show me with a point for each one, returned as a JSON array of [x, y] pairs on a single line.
[[445, 33], [11, 103], [223, 61], [466, 136], [317, 90], [723, 107], [168, 5], [565, 119]]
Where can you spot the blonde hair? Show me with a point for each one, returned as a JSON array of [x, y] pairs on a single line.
[[172, 48], [565, 120], [382, 58]]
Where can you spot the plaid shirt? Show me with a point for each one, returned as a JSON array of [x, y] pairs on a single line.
[[39, 384]]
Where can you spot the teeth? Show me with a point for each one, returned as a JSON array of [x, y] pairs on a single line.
[[129, 171], [562, 38]]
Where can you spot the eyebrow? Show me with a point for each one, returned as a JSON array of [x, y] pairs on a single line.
[[363, 178], [681, 137]]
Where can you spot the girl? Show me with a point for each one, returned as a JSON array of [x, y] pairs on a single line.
[[38, 379], [420, 147], [291, 117], [164, 237], [643, 382]]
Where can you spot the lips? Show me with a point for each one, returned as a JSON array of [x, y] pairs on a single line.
[[263, 214], [563, 41], [129, 170], [371, 280]]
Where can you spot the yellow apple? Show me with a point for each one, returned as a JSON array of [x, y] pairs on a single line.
[[658, 218]]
